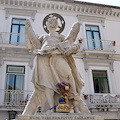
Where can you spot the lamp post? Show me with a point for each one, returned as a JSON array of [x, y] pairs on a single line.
[[12, 114]]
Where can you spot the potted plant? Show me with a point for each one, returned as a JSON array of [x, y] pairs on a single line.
[[85, 96], [113, 43], [80, 40]]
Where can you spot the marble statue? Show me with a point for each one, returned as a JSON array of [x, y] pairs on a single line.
[[54, 64]]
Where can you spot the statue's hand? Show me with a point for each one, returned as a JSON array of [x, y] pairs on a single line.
[[73, 50], [38, 52], [60, 48], [46, 51]]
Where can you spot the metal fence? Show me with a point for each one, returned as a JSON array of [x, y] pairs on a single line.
[[14, 98], [92, 44], [104, 101]]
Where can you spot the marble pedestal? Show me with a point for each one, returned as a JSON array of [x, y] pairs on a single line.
[[60, 116]]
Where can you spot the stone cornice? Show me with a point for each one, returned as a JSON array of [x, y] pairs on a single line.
[[98, 62], [91, 19], [14, 11], [62, 6], [16, 54]]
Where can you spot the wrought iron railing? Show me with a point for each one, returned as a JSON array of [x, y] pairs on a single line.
[[14, 98], [103, 101], [92, 44]]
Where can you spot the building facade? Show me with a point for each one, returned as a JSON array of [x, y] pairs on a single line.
[[98, 60]]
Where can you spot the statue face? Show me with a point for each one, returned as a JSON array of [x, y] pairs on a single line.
[[52, 23]]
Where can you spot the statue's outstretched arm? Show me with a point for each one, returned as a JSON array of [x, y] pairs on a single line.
[[31, 39]]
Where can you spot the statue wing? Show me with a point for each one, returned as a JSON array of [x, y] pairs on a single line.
[[31, 39], [73, 33]]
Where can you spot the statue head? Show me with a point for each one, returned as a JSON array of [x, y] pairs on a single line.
[[52, 24]]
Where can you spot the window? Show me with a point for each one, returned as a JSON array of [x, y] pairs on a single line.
[[17, 35], [14, 94], [15, 77], [93, 37], [100, 81]]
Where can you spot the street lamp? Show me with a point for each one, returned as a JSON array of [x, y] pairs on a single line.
[[12, 114]]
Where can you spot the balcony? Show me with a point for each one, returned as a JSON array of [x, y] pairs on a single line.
[[14, 99], [98, 45], [12, 38], [103, 102], [91, 44]]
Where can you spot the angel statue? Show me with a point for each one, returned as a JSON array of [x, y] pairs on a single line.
[[54, 64]]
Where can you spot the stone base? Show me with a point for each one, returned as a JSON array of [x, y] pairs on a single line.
[[60, 116]]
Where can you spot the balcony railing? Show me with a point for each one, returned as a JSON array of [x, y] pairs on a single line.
[[19, 39], [104, 101], [12, 38], [14, 98], [93, 44]]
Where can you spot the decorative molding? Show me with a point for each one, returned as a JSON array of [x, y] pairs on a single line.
[[95, 19], [72, 7], [1, 61], [17, 55], [31, 62], [118, 113], [19, 59], [98, 62], [96, 52], [22, 12], [98, 58]]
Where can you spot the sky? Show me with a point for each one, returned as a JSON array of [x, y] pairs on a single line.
[[106, 2]]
